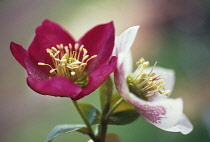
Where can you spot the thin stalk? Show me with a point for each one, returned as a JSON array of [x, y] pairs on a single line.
[[114, 107], [103, 128], [105, 96], [91, 134]]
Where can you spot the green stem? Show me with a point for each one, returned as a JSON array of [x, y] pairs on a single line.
[[103, 128], [91, 134], [105, 96], [114, 107], [105, 116]]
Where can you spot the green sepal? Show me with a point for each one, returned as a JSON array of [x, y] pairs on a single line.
[[124, 114], [65, 128], [92, 114], [106, 90]]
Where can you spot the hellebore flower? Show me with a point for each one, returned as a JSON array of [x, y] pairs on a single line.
[[57, 65], [146, 88]]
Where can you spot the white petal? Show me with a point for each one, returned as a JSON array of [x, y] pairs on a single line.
[[184, 126], [127, 63], [167, 74], [124, 42], [163, 113], [120, 82], [166, 114]]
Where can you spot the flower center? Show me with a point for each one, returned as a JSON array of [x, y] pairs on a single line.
[[69, 62], [144, 84]]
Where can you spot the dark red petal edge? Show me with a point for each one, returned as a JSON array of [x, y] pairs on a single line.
[[56, 86], [48, 35], [18, 52], [99, 41]]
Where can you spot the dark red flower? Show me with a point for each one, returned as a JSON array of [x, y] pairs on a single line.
[[57, 65]]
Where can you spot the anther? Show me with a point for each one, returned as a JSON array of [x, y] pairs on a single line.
[[70, 62]]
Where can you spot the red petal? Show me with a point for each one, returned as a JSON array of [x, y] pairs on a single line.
[[48, 34], [56, 86], [99, 41], [18, 52], [97, 77], [31, 66]]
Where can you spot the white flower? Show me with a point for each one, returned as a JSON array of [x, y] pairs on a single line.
[[148, 94]]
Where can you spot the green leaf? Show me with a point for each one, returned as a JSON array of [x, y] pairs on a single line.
[[124, 114], [65, 128], [91, 113], [106, 90], [123, 117]]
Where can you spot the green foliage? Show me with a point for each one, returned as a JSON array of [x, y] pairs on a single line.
[[123, 117], [92, 114], [125, 113], [106, 90], [65, 128]]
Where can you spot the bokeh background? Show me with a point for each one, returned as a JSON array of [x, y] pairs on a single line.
[[174, 33]]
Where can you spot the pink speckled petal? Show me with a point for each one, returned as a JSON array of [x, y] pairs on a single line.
[[164, 113]]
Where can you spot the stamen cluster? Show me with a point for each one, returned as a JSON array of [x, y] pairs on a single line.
[[146, 85], [69, 62]]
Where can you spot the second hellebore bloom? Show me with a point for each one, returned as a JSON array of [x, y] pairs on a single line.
[[146, 88], [57, 65]]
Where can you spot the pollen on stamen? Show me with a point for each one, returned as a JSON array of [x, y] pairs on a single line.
[[145, 84], [70, 62]]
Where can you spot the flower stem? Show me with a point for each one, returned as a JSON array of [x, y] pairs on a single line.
[[114, 107], [103, 125], [91, 134]]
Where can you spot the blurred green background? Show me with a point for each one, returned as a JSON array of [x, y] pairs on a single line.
[[174, 33]]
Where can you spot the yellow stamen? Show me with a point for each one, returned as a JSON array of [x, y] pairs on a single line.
[[144, 84], [70, 62]]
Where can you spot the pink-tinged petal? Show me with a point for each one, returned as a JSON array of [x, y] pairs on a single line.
[[168, 75], [183, 125], [120, 82], [18, 52], [124, 42], [98, 76], [127, 65], [163, 113], [56, 86], [48, 35], [99, 41]]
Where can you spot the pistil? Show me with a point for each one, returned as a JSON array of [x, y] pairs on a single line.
[[144, 84], [70, 62]]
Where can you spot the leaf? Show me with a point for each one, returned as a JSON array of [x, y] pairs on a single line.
[[91, 113], [123, 117], [65, 128], [124, 114], [106, 90], [123, 105]]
